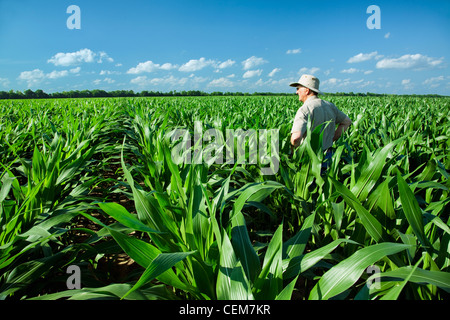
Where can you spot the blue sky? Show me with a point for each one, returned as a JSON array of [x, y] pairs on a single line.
[[210, 45]]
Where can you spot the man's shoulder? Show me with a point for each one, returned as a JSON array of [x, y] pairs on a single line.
[[314, 102], [321, 102]]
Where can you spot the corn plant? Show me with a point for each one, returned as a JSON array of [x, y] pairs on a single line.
[[225, 231], [42, 194]]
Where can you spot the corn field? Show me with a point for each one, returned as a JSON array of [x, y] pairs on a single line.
[[92, 183]]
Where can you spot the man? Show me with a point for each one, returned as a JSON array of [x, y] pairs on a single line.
[[320, 111]]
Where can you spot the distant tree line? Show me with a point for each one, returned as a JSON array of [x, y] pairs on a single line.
[[39, 94]]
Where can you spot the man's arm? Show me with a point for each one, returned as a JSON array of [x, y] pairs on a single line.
[[342, 127], [296, 137]]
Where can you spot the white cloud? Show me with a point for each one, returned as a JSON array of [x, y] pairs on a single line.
[[281, 82], [312, 70], [226, 64], [410, 61], [190, 66], [221, 82], [368, 72], [361, 57], [141, 80], [347, 84], [294, 51], [435, 79], [195, 65], [407, 85], [434, 82], [170, 81], [103, 55], [147, 66], [331, 81], [272, 73], [150, 66], [4, 82], [57, 74], [252, 62], [406, 81], [351, 70], [37, 76], [80, 56], [252, 73], [33, 77], [75, 70], [109, 72], [107, 80], [168, 66], [365, 84]]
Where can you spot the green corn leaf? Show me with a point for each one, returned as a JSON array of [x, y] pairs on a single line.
[[159, 265], [227, 262], [204, 276], [270, 280], [262, 189], [33, 237], [148, 211], [38, 165], [439, 279], [394, 292], [370, 223], [372, 171], [343, 275], [31, 195], [297, 265], [175, 176], [381, 198], [338, 213], [412, 210], [27, 273], [197, 224], [437, 221], [243, 247], [215, 205], [296, 245], [143, 253], [141, 203], [240, 287], [69, 172], [286, 293], [6, 186], [232, 284], [121, 214], [110, 292]]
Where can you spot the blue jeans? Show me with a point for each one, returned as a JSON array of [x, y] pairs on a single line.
[[326, 163]]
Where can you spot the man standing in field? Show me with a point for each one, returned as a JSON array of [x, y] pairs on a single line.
[[320, 111]]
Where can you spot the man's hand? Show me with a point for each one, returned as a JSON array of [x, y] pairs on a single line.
[[296, 137], [342, 127]]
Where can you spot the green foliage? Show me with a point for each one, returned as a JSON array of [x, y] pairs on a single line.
[[83, 181]]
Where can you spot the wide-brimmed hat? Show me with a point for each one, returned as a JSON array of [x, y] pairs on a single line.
[[308, 81]]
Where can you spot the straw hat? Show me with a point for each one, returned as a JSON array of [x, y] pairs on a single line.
[[307, 81]]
